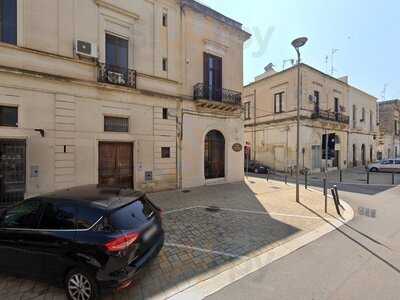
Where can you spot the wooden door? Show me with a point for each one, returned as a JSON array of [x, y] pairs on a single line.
[[116, 164], [214, 155]]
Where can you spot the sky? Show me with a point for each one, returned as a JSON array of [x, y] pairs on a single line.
[[366, 34]]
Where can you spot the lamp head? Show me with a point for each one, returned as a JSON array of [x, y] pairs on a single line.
[[299, 42]]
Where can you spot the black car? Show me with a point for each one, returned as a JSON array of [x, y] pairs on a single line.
[[255, 167], [92, 239]]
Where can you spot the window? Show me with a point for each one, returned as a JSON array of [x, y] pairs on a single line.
[[363, 115], [247, 111], [86, 217], [397, 162], [58, 216], [316, 105], [371, 121], [278, 103], [396, 127], [116, 124], [8, 21], [165, 64], [117, 54], [165, 152], [25, 215], [8, 116], [337, 109], [165, 113], [354, 116], [212, 77], [165, 19]]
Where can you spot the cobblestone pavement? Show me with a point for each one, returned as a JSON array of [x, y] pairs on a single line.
[[255, 217]]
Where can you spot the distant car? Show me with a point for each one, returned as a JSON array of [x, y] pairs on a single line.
[[255, 167], [92, 239], [386, 165]]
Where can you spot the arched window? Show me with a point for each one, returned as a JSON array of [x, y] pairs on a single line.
[[214, 155]]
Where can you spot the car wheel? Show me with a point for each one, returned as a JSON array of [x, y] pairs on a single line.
[[80, 285], [374, 170], [256, 170]]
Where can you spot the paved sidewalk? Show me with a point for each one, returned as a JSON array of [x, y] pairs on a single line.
[[254, 217]]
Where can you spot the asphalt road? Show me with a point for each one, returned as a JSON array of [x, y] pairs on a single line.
[[361, 260]]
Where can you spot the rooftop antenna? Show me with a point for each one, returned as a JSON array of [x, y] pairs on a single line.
[[332, 56], [327, 64], [384, 91]]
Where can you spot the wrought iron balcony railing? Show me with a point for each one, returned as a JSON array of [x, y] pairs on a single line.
[[116, 75], [205, 92], [331, 116]]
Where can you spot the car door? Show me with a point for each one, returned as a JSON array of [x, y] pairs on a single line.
[[386, 165], [58, 229], [19, 237], [397, 165]]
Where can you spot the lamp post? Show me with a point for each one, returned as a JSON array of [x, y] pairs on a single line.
[[297, 44]]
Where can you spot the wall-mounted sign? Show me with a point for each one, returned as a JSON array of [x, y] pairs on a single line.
[[237, 147]]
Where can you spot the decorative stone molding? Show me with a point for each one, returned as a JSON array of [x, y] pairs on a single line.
[[105, 4]]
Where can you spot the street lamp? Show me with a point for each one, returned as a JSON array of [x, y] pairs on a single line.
[[297, 44]]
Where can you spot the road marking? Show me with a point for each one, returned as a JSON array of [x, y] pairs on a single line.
[[205, 250], [199, 289], [247, 211]]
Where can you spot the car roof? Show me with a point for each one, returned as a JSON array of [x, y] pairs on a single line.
[[95, 196]]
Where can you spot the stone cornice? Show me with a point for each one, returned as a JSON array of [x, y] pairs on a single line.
[[117, 9]]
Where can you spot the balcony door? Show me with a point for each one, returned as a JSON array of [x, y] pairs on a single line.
[[117, 54], [213, 77]]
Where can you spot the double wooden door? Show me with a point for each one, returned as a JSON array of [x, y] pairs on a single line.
[[116, 164]]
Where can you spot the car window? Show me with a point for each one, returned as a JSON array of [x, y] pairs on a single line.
[[58, 216], [397, 162], [24, 215], [87, 216], [387, 162], [132, 216]]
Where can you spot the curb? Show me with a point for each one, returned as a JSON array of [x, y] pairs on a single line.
[[195, 290]]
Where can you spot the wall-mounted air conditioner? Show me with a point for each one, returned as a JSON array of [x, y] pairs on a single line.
[[86, 49]]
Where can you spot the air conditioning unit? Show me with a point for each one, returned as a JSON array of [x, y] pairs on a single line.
[[86, 49], [116, 78]]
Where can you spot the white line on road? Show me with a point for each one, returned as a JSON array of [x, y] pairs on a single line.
[[204, 250]]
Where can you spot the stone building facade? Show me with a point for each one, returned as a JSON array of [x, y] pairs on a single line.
[[270, 109], [143, 94], [389, 123]]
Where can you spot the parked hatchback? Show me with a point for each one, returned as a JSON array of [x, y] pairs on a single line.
[[387, 165], [91, 238]]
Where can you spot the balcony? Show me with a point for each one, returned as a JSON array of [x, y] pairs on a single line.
[[203, 92], [116, 75], [331, 116]]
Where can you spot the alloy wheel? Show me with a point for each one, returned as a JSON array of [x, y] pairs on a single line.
[[79, 287]]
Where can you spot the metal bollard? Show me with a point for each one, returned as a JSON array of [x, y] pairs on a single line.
[[267, 175], [341, 176], [326, 195], [392, 178], [291, 171], [368, 177], [285, 179], [306, 179]]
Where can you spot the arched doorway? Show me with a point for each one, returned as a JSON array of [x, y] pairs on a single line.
[[354, 156], [214, 155], [363, 154]]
